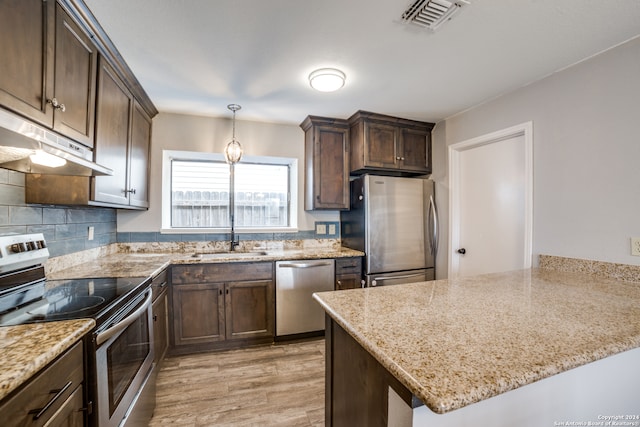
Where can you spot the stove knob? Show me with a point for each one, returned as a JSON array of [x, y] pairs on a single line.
[[31, 246], [41, 244]]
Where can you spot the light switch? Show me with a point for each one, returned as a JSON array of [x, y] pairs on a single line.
[[90, 237], [321, 228]]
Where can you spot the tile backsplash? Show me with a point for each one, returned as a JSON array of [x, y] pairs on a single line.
[[65, 229]]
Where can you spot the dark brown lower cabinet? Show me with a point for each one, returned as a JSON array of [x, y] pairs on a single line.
[[357, 385], [160, 328], [348, 273], [219, 306], [54, 397], [249, 310], [198, 314]]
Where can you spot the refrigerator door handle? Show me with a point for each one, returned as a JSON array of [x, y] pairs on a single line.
[[433, 213]]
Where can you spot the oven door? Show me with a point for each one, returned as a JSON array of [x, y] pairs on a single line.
[[124, 358]]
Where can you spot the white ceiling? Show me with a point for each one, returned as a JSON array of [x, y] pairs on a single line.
[[197, 56]]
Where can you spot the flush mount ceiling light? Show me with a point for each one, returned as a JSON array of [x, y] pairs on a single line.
[[233, 151], [327, 79], [42, 158]]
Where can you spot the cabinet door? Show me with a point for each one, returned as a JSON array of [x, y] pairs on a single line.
[[112, 136], [160, 328], [348, 281], [250, 309], [348, 273], [416, 150], [139, 157], [65, 375], [381, 145], [330, 168], [75, 80], [26, 53], [198, 313]]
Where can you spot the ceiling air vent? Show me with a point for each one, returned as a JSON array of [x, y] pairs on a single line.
[[431, 13]]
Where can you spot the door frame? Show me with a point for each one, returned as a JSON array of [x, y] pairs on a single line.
[[454, 151]]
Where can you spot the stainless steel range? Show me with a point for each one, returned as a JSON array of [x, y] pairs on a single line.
[[121, 390]]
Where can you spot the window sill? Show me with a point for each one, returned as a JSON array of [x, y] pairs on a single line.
[[227, 230]]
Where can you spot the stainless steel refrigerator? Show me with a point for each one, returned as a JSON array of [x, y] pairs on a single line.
[[394, 221]]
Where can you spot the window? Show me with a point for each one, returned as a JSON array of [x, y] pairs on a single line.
[[198, 189]]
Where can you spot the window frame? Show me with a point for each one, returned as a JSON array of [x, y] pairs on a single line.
[[169, 155]]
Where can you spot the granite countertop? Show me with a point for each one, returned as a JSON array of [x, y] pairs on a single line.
[[148, 263], [460, 341], [26, 349]]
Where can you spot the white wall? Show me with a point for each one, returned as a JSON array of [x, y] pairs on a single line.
[[196, 133], [586, 137]]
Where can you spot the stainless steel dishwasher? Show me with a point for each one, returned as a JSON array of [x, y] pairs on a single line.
[[296, 310]]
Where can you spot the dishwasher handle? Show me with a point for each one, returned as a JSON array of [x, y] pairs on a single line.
[[304, 264]]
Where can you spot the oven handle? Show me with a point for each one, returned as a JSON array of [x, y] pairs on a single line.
[[124, 323]]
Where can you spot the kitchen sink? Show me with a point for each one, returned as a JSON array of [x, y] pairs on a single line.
[[228, 254]]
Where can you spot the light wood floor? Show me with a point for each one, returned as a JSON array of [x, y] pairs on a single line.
[[278, 385]]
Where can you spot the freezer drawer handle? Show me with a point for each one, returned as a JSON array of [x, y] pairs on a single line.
[[374, 282], [303, 265]]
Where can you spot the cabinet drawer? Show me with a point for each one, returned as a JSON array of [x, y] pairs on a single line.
[[348, 265], [223, 272], [158, 284], [54, 385]]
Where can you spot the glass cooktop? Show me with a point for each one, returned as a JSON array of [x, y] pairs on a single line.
[[94, 298]]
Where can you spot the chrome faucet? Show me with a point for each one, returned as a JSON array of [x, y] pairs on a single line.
[[234, 242]]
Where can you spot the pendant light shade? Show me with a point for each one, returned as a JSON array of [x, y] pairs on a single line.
[[233, 150]]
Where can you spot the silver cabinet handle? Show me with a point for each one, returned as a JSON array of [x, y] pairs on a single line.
[[56, 105], [124, 323], [303, 264]]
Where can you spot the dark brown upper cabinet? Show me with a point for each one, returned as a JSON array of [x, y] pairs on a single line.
[[389, 145], [122, 142], [123, 137], [49, 67], [326, 163], [74, 97]]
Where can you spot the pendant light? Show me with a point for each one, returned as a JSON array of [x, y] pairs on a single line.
[[233, 151]]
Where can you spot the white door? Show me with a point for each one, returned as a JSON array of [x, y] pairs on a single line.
[[491, 207]]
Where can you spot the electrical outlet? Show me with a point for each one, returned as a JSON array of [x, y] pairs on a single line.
[[635, 246], [332, 229], [321, 228], [90, 236]]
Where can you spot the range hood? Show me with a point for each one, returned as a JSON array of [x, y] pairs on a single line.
[[20, 139]]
